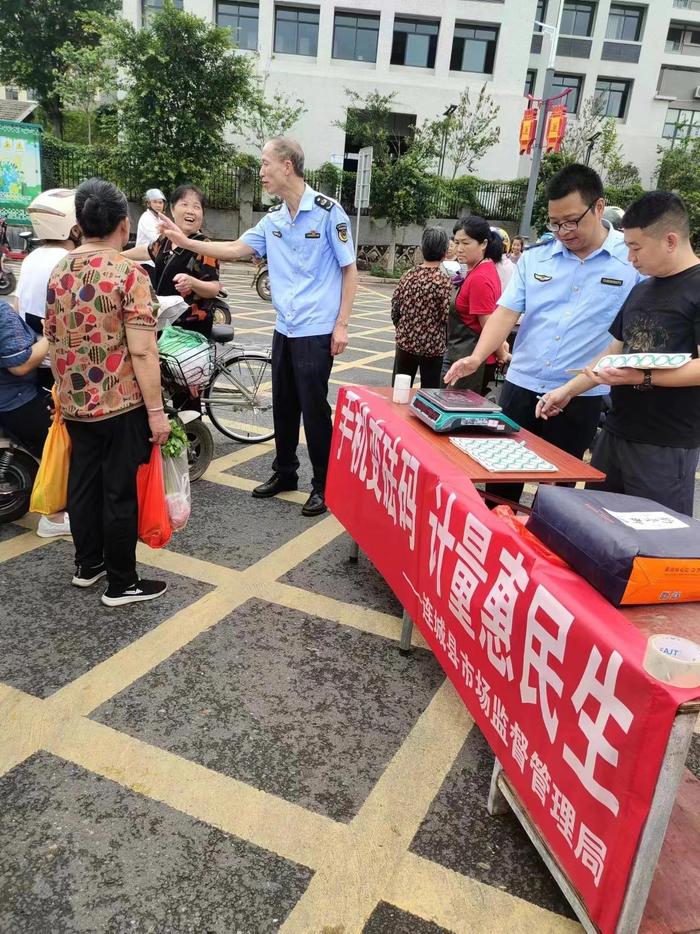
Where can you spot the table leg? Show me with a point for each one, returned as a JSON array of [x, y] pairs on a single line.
[[406, 633], [652, 837], [497, 803], [354, 551]]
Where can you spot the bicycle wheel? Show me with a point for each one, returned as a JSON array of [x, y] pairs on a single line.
[[238, 400]]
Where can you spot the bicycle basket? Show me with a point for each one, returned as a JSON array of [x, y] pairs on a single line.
[[191, 366]]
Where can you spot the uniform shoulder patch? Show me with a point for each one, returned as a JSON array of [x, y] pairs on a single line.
[[275, 207], [342, 232], [323, 202]]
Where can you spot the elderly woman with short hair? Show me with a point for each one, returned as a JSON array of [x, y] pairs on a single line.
[[419, 308]]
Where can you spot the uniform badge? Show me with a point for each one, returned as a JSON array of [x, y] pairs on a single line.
[[342, 232], [607, 281], [312, 235], [323, 202], [276, 233], [542, 278]]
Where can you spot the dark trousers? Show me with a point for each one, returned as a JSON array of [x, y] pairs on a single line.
[[572, 431], [29, 424], [105, 456], [406, 362], [301, 367], [662, 474]]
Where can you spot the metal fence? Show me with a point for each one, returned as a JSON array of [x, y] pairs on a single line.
[[65, 166]]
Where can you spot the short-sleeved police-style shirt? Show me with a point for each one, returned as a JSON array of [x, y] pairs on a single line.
[[567, 304], [305, 256]]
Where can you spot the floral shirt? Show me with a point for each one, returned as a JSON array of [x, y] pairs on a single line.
[[419, 308], [92, 298]]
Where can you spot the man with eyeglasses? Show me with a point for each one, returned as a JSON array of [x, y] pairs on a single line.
[[568, 291]]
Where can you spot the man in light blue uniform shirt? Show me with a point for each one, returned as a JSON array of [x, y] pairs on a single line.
[[568, 292], [313, 279]]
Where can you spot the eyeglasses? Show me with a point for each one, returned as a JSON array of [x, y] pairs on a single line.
[[569, 225]]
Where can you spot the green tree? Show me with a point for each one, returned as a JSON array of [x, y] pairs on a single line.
[[32, 33], [368, 122], [679, 171], [183, 83], [465, 135], [84, 76], [271, 115]]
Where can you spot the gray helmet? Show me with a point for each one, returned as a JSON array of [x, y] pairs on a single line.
[[613, 215]]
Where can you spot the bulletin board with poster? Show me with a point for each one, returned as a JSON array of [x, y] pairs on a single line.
[[20, 169]]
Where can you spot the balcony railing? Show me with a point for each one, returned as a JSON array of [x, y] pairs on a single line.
[[687, 5]]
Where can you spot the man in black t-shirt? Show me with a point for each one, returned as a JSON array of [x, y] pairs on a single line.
[[651, 440]]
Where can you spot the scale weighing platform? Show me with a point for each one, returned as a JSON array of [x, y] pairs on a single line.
[[446, 410]]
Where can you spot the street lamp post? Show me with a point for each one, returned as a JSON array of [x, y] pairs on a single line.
[[547, 93], [443, 151]]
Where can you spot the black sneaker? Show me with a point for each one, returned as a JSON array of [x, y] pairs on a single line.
[[86, 576], [137, 593]]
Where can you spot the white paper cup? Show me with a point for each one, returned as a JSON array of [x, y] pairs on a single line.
[[402, 388], [673, 660]]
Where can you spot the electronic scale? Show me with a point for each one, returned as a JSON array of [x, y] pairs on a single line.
[[446, 410]]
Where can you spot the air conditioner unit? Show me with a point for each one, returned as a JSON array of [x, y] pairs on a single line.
[[696, 93]]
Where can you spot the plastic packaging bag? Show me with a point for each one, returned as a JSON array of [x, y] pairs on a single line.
[[154, 524], [176, 473], [50, 491], [189, 355]]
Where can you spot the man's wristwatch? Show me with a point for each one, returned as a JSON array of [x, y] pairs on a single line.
[[646, 382]]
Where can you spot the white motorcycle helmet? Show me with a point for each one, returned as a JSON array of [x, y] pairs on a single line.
[[52, 214]]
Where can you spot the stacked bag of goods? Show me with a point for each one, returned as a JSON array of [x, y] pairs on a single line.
[[630, 549]]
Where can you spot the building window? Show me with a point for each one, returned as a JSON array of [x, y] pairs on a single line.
[[296, 30], [530, 79], [474, 48], [355, 37], [577, 19], [540, 14], [11, 94], [242, 20], [575, 82], [149, 7], [613, 95], [683, 39], [415, 42], [681, 125], [625, 22]]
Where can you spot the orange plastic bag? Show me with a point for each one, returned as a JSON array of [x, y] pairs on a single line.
[[509, 517], [154, 524], [50, 490]]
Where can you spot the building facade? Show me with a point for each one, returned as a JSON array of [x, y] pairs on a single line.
[[641, 58]]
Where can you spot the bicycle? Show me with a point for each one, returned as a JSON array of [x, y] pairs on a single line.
[[236, 394]]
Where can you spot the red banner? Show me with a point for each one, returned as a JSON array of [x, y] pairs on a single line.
[[551, 672], [528, 129], [556, 128]]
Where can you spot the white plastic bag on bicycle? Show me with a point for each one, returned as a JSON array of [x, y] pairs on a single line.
[[176, 475]]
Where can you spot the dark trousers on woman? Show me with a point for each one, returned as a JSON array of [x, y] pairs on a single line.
[[301, 367], [29, 424], [102, 505], [572, 431], [406, 362]]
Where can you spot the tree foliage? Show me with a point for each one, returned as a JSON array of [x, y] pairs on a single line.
[[679, 171], [271, 115], [368, 122], [466, 135], [183, 83], [593, 136], [84, 76], [32, 33]]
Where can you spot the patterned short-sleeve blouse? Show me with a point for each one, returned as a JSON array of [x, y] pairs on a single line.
[[92, 298], [419, 308]]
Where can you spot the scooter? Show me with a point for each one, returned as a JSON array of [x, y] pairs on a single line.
[[261, 281], [18, 469]]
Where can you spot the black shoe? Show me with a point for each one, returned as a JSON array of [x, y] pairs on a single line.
[[315, 505], [86, 576], [276, 484], [137, 593]]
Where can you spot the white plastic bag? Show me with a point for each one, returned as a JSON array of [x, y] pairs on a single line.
[[176, 474]]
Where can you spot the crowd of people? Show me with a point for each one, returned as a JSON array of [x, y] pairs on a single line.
[[88, 320]]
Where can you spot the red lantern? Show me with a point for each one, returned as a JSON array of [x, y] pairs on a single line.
[[528, 129], [556, 128]]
